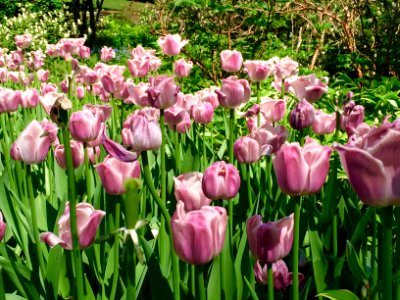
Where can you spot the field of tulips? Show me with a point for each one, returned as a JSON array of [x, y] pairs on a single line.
[[118, 183]]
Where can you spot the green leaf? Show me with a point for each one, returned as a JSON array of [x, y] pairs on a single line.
[[392, 103], [354, 262], [251, 289], [361, 225], [53, 269], [339, 295], [320, 265]]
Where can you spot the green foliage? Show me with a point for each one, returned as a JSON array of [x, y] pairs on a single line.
[[11, 8]]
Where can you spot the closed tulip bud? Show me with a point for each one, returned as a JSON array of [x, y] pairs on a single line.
[[87, 218], [29, 98], [221, 181], [80, 92], [302, 116], [231, 61], [85, 125], [43, 75], [302, 170], [113, 174], [324, 123], [163, 91], [107, 53], [246, 150], [271, 241], [2, 227], [76, 151], [182, 68], [258, 70], [33, 144], [188, 190], [171, 44], [202, 112], [198, 235], [233, 92]]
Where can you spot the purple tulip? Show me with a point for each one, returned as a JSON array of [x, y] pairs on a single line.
[[352, 116], [87, 219], [231, 61], [171, 44], [302, 116], [372, 164], [188, 190], [302, 170], [198, 235], [77, 154], [221, 181], [233, 92], [271, 241], [2, 226]]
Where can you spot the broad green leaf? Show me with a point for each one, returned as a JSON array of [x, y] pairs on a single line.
[[320, 265], [214, 280], [53, 269], [339, 295]]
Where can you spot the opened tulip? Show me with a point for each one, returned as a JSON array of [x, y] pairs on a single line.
[[271, 241], [171, 44], [307, 87], [87, 219], [33, 144], [85, 125], [76, 151], [233, 92], [202, 112], [174, 115], [198, 235], [9, 100], [139, 67], [372, 164], [302, 170], [258, 70], [107, 53], [2, 226], [23, 41], [182, 67], [188, 189], [352, 116], [163, 91], [231, 61], [324, 123], [221, 181], [270, 138], [29, 98]]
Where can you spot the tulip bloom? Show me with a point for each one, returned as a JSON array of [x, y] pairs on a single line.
[[9, 100], [302, 116], [258, 70], [246, 150], [78, 156], [271, 241], [233, 92], [352, 116], [139, 67], [171, 44], [107, 53], [85, 125], [29, 98], [113, 173], [270, 138], [182, 68], [33, 144], [324, 123], [23, 41], [2, 226], [302, 170], [202, 112], [188, 190], [372, 165], [87, 219], [198, 235], [162, 92], [231, 61], [221, 181]]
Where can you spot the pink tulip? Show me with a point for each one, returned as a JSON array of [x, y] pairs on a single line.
[[186, 101], [80, 92], [174, 115], [3, 74], [208, 95], [285, 68], [198, 235], [185, 124], [84, 52], [182, 67], [2, 227], [258, 70], [162, 92], [29, 98], [307, 87], [188, 190], [107, 53], [77, 155], [93, 154], [233, 92], [302, 116], [202, 112], [324, 123], [372, 165], [221, 181], [271, 241], [89, 76], [113, 174], [271, 110], [43, 75], [139, 67], [87, 219], [33, 144], [246, 150], [138, 94], [270, 138], [47, 100], [46, 88], [85, 125], [171, 44], [302, 170], [352, 116], [142, 131], [231, 61], [9, 100], [23, 41]]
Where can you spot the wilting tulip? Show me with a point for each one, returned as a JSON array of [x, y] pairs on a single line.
[[33, 144], [87, 219], [188, 190], [372, 164], [85, 125], [307, 87], [282, 277], [221, 181], [302, 116], [107, 53], [324, 123], [246, 150], [233, 92], [258, 70], [76, 151], [171, 44], [113, 173], [202, 112], [23, 41], [198, 235], [302, 170], [231, 61], [2, 226], [271, 241], [182, 67], [162, 92]]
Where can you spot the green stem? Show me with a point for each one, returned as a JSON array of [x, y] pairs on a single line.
[[2, 291], [204, 156], [231, 133], [258, 102], [296, 244], [87, 174], [386, 244], [397, 261], [177, 153], [270, 275], [76, 255], [116, 250], [248, 185], [131, 266], [193, 279], [374, 269], [34, 224], [200, 291], [162, 151]]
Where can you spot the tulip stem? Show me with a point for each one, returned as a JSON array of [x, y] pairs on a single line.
[[2, 291], [87, 173], [270, 282], [204, 148], [386, 244], [231, 131], [116, 249], [397, 262], [76, 255], [248, 185], [258, 102], [34, 223], [374, 270], [130, 264], [296, 244], [200, 291], [177, 153]]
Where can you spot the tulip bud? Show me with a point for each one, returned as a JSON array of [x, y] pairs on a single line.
[[77, 154], [198, 235], [85, 125], [302, 116], [231, 61], [2, 226], [202, 112], [221, 181], [233, 92], [246, 150], [162, 92], [182, 68], [171, 44]]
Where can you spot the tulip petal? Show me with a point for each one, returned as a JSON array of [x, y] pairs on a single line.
[[118, 151], [52, 240]]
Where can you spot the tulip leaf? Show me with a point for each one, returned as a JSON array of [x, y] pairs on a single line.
[[354, 262], [228, 272], [392, 103], [360, 228], [14, 297], [251, 289], [320, 265], [53, 270], [238, 264], [339, 295], [214, 280]]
